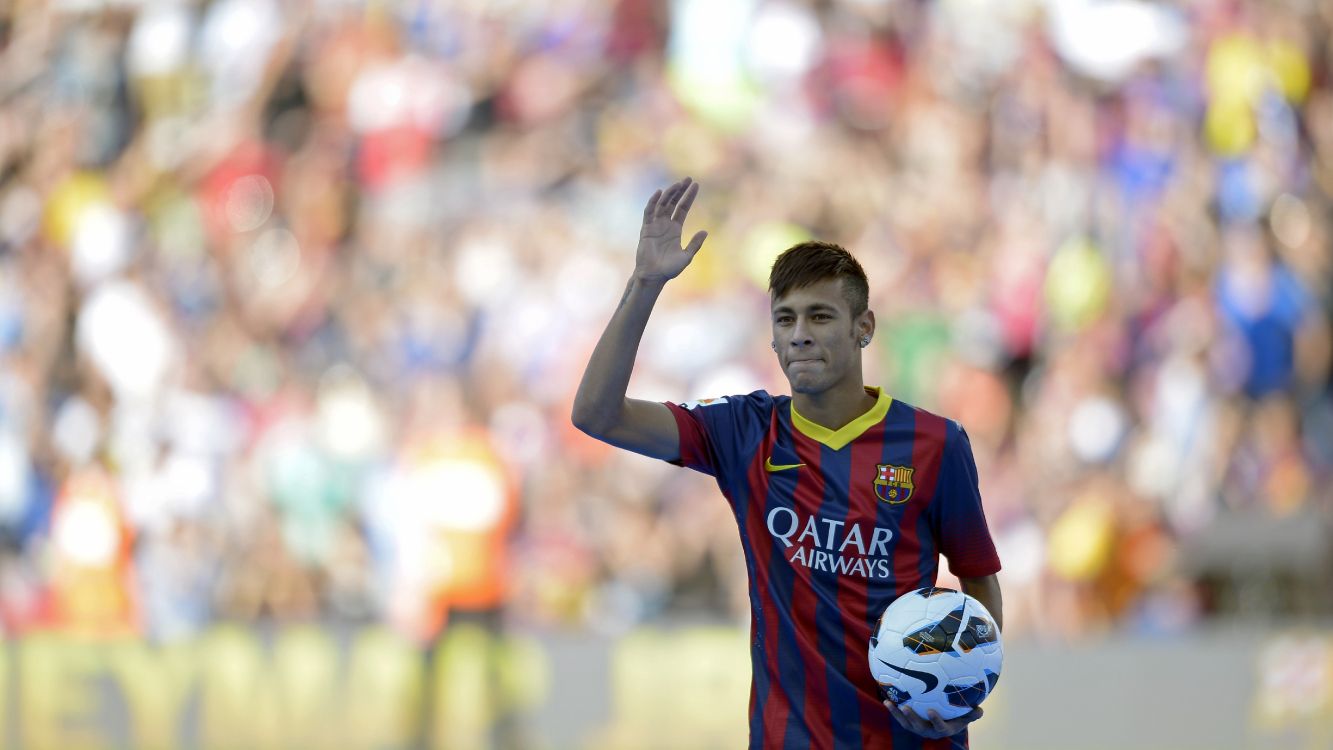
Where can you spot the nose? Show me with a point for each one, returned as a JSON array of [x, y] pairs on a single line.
[[800, 333]]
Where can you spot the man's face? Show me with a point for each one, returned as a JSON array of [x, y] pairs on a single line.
[[817, 338]]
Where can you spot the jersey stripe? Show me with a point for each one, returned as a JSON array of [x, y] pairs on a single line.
[[773, 702], [807, 501], [927, 564], [763, 621], [843, 714], [900, 426], [872, 728], [906, 552], [927, 449]]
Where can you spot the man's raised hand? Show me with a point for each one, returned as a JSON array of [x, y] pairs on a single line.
[[660, 256]]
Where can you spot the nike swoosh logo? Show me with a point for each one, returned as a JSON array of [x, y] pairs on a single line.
[[770, 466], [929, 679]]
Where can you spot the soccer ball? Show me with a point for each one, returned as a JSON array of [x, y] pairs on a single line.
[[936, 648]]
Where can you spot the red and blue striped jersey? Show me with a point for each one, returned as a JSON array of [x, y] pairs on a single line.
[[835, 524]]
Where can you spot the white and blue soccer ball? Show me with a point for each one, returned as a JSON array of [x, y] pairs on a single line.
[[936, 648]]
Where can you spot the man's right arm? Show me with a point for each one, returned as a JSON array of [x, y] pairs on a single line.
[[601, 407]]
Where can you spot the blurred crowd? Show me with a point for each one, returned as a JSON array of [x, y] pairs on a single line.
[[294, 296]]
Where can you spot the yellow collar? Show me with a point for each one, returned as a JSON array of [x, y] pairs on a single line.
[[838, 439]]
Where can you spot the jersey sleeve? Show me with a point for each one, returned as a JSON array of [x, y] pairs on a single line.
[[718, 435], [958, 520]]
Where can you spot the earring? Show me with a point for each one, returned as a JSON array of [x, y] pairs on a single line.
[[773, 344], [865, 341]]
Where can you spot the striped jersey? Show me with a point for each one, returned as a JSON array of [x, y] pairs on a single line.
[[835, 524]]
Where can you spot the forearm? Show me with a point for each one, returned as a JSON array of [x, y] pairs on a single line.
[[601, 394], [987, 591]]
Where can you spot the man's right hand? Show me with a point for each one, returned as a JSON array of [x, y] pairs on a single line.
[[660, 256]]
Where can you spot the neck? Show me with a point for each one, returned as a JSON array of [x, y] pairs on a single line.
[[835, 407]]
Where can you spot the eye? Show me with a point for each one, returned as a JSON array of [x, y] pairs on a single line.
[[784, 320]]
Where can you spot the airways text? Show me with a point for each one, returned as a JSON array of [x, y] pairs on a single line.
[[830, 545]]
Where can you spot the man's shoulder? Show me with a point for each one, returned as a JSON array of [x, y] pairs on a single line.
[[922, 413], [926, 423], [760, 400]]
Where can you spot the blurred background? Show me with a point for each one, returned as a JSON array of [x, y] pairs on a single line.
[[294, 298]]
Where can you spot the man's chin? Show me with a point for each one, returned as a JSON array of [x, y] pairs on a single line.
[[806, 385]]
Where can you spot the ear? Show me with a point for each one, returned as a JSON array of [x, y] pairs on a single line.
[[865, 324]]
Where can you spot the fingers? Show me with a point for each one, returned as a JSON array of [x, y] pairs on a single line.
[[667, 204], [932, 727], [651, 209], [664, 203], [909, 719], [937, 723], [954, 725], [685, 203], [696, 242]]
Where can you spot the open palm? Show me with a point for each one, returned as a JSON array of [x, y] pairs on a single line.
[[660, 256]]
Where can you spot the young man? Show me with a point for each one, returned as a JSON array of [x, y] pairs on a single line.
[[844, 497]]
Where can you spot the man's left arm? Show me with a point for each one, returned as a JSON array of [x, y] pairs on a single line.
[[960, 526], [987, 591]]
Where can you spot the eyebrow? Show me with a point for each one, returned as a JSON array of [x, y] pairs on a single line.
[[816, 307]]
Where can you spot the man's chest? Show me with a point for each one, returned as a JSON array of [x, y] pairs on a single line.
[[837, 511]]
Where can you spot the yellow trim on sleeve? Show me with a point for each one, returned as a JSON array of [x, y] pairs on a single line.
[[839, 438]]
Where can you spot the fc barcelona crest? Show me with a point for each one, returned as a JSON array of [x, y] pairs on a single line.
[[893, 484]]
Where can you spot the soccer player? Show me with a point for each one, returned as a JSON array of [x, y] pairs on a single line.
[[844, 497]]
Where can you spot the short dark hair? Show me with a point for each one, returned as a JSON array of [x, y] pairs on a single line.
[[810, 262]]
